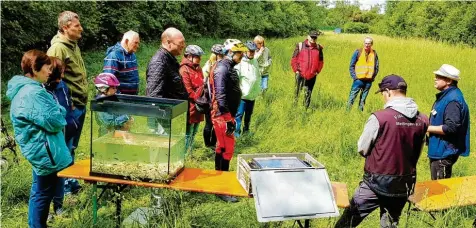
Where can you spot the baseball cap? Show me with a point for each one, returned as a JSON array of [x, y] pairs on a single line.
[[313, 33], [392, 82]]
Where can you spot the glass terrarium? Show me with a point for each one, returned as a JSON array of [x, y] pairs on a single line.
[[138, 138]]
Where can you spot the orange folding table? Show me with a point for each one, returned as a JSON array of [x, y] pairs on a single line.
[[437, 195], [190, 179]]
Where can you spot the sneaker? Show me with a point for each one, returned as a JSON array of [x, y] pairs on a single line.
[[229, 199]]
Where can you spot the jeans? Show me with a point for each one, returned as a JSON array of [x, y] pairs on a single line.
[[365, 201], [192, 129], [245, 109], [442, 168], [357, 86], [209, 137], [79, 114], [308, 85], [264, 82], [42, 191]]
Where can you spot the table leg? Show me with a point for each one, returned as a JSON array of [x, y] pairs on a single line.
[[95, 203], [118, 210], [307, 223]]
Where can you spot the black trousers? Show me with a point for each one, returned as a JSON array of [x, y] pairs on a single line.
[[308, 85], [209, 137], [442, 168]]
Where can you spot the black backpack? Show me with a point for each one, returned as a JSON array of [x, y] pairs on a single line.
[[202, 104]]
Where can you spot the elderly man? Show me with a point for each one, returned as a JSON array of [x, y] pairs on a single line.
[[163, 77], [391, 143], [449, 124], [307, 62], [363, 69], [122, 62], [65, 47]]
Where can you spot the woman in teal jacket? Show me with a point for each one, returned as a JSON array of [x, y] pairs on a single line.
[[38, 122]]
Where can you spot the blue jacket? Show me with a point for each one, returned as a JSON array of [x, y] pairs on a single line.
[[38, 121], [110, 121], [355, 58], [442, 146], [62, 94], [124, 65]]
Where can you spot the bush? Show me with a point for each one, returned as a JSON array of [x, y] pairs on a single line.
[[356, 27]]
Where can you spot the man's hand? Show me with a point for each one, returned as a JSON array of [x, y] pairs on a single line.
[[230, 128]]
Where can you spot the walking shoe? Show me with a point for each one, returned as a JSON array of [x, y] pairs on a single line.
[[229, 199]]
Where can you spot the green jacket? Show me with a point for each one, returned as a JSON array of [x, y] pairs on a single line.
[[75, 72]]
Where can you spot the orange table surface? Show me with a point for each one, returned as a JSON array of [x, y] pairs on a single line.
[[443, 194], [192, 179]]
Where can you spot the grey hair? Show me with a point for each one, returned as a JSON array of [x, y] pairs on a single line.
[[65, 17], [369, 38], [130, 35]]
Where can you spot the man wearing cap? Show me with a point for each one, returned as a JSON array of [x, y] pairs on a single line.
[[307, 63], [391, 143], [449, 124], [364, 67]]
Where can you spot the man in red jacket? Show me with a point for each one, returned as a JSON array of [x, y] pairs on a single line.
[[307, 63]]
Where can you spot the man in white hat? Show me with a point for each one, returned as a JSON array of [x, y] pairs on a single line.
[[449, 124]]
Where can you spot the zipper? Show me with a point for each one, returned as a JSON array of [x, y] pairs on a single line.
[[48, 151]]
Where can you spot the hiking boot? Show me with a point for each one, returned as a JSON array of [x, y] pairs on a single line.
[[229, 199]]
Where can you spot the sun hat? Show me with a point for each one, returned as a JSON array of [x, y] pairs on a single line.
[[448, 71]]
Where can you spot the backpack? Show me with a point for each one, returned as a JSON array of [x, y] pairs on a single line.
[[202, 104]]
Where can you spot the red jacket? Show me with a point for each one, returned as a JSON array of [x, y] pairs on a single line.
[[309, 61], [192, 78]]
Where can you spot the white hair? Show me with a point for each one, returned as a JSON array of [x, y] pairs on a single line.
[[130, 35], [369, 38]]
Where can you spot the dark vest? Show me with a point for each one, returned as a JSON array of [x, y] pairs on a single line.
[[442, 146], [390, 168]]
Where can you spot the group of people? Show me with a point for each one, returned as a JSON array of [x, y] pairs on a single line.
[[393, 138], [49, 105]]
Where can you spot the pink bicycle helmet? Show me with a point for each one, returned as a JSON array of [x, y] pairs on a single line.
[[106, 80]]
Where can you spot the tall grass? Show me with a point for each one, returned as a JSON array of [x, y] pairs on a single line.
[[326, 131]]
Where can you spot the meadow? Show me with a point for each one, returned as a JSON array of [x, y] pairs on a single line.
[[325, 130]]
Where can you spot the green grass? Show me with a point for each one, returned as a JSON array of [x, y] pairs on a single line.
[[326, 131]]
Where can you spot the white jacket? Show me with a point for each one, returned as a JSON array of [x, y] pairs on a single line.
[[250, 78]]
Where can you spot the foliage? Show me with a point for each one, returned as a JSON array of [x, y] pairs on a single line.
[[356, 27]]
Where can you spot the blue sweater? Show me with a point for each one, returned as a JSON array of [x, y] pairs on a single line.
[[124, 66], [62, 94]]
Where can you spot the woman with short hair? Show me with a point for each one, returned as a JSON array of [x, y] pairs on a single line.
[[38, 122]]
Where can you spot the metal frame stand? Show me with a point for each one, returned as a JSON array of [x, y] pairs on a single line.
[[307, 223], [115, 188]]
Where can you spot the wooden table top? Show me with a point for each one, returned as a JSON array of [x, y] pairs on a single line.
[[435, 195], [191, 179]]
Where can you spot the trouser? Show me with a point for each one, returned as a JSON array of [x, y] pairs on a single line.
[[264, 82], [209, 136], [245, 109], [79, 114], [308, 85], [41, 193], [357, 86], [192, 129], [365, 201], [442, 168], [225, 144]]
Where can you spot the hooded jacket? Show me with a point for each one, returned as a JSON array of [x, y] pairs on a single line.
[[124, 66], [75, 71], [192, 77], [391, 143], [63, 95], [38, 122], [163, 77], [250, 78]]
